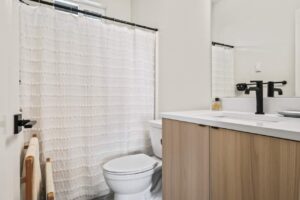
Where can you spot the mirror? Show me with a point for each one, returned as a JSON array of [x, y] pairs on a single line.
[[255, 40]]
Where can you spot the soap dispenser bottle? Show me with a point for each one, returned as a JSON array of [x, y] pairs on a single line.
[[216, 105]]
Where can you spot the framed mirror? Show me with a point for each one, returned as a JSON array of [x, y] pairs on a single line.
[[255, 40]]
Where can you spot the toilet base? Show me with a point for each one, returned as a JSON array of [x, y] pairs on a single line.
[[145, 195]]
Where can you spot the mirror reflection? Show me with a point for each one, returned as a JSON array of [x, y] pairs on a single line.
[[255, 40]]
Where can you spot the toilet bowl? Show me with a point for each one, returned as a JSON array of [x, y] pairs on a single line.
[[130, 177]]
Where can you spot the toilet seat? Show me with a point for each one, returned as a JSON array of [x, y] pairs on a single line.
[[129, 165]]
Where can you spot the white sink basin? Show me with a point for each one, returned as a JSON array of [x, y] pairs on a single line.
[[245, 117]]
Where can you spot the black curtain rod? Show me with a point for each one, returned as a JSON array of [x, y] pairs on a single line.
[[85, 12], [221, 44]]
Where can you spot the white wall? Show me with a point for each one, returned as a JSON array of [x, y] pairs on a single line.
[[271, 105], [120, 9], [10, 145], [263, 31], [185, 50]]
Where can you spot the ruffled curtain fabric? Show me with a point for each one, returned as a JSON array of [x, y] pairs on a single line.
[[223, 72], [90, 86]]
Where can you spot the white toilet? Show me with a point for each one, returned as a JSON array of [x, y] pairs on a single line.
[[130, 177]]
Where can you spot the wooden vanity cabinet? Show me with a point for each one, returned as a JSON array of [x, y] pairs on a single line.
[[185, 161], [230, 165], [247, 166], [204, 163]]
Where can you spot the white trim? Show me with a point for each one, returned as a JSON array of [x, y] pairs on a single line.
[[83, 2], [85, 5], [72, 3], [90, 3], [297, 53], [156, 103]]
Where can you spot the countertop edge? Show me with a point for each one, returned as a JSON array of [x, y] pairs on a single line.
[[264, 131]]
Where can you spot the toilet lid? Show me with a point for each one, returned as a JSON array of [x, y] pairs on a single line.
[[131, 164]]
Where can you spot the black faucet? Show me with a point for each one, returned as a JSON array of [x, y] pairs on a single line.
[[272, 89], [259, 96]]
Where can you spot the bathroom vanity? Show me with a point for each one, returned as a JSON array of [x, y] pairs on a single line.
[[230, 156]]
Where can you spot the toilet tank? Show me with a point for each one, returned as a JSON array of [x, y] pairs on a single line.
[[156, 137]]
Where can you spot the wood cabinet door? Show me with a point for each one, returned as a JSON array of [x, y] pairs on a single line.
[[252, 167], [275, 168], [230, 165], [185, 161]]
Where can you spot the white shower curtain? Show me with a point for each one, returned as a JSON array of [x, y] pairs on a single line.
[[222, 72], [90, 86]]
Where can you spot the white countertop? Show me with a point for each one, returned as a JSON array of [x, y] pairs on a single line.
[[269, 125]]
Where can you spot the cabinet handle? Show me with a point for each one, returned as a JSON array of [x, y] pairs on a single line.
[[202, 125], [213, 127]]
